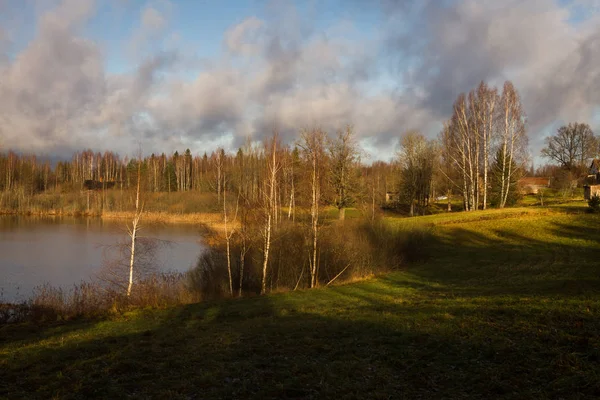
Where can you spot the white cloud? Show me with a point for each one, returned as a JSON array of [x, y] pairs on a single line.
[[282, 72]]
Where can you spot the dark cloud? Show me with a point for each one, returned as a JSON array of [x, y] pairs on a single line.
[[553, 61]]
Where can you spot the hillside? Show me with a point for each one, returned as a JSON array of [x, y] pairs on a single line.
[[503, 304]]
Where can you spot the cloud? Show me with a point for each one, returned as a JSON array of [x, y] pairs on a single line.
[[552, 59], [57, 95], [53, 84], [288, 70]]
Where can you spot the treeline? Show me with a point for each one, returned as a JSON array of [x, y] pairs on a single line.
[[24, 177]]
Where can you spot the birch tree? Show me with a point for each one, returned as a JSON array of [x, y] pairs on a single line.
[[269, 204], [482, 119], [459, 139], [229, 233], [312, 143], [135, 225], [484, 108], [513, 138]]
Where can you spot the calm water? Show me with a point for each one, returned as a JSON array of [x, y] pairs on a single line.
[[65, 251]]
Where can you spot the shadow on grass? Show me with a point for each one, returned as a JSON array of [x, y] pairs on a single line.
[[267, 348], [28, 332]]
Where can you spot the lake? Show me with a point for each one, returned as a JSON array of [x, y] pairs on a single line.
[[66, 251]]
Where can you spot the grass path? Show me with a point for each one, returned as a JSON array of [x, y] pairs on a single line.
[[502, 308]]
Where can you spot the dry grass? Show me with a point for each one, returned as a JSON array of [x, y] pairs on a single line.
[[212, 220], [96, 299]]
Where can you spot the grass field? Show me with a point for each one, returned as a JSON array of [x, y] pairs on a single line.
[[506, 304]]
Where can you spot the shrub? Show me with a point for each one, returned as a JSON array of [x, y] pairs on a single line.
[[347, 250], [594, 203]]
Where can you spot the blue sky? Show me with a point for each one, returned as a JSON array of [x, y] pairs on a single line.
[[108, 74], [203, 23]]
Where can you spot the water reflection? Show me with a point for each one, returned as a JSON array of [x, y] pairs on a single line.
[[64, 251]]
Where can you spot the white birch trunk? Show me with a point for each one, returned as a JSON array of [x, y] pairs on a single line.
[[134, 229]]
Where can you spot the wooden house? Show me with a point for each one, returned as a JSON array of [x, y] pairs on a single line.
[[532, 185], [392, 197], [592, 186]]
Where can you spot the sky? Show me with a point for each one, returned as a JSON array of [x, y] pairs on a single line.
[[166, 75]]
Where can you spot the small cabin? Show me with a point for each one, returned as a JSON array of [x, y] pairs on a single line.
[[592, 186], [532, 185], [392, 197], [590, 191]]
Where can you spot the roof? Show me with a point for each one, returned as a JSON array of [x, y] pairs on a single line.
[[534, 181], [595, 167]]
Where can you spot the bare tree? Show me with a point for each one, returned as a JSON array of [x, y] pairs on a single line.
[[479, 120], [247, 205], [513, 138], [312, 143], [219, 166], [135, 224], [291, 171], [572, 146], [459, 140], [116, 267], [134, 258], [417, 158], [245, 234], [229, 233], [269, 204], [344, 157], [484, 108]]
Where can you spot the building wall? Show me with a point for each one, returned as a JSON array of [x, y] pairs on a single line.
[[591, 190]]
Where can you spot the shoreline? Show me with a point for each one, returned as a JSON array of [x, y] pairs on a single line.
[[212, 220]]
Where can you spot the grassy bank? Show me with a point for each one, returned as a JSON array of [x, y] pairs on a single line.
[[506, 306]]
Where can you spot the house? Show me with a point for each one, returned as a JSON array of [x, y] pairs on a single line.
[[592, 186], [392, 197], [532, 185]]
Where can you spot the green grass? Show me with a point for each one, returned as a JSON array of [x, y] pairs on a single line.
[[506, 306]]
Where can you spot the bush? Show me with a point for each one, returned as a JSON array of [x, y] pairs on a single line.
[[594, 203], [347, 250]]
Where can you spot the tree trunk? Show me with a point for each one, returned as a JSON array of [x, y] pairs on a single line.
[[267, 247], [504, 145], [373, 204], [132, 259], [134, 228], [314, 220], [227, 240], [242, 262]]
